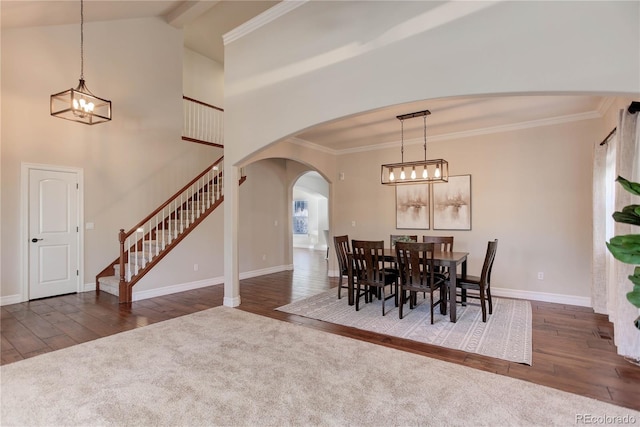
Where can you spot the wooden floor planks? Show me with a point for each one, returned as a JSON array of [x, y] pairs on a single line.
[[572, 347]]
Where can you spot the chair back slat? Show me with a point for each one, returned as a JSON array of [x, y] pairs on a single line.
[[485, 275], [368, 260], [441, 243], [415, 261], [342, 248]]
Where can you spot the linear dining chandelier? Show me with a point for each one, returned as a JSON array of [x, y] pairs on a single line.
[[79, 104], [423, 171]]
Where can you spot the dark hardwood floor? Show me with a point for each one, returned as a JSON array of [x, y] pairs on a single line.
[[572, 347]]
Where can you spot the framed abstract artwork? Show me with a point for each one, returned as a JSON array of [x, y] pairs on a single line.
[[412, 206], [452, 204]]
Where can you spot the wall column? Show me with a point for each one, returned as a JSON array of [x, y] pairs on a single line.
[[231, 219]]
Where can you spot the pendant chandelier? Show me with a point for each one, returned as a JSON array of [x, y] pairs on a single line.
[[423, 171], [79, 104]]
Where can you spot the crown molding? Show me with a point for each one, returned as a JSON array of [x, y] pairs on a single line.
[[482, 131], [264, 18], [308, 144], [605, 105]]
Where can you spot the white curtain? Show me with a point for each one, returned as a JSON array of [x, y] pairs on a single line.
[[610, 284]]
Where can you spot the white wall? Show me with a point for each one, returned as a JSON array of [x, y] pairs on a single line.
[[203, 78], [326, 60], [131, 164]]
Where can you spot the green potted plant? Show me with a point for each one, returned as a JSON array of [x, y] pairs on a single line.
[[626, 248]]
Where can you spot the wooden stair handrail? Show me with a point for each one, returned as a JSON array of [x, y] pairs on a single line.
[[126, 288], [202, 103], [165, 204]]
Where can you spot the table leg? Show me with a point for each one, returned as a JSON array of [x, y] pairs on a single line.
[[350, 278], [443, 301], [452, 290]]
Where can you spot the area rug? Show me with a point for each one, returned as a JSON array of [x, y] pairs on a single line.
[[506, 334], [226, 367]]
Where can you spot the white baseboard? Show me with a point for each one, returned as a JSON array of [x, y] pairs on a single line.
[[530, 295], [231, 301], [11, 299], [262, 272], [542, 296], [167, 290], [172, 289]]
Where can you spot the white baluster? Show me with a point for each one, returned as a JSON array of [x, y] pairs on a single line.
[[172, 228], [209, 188], [128, 275], [181, 208], [199, 121], [200, 199], [194, 124], [210, 127], [163, 229], [135, 242], [157, 234]]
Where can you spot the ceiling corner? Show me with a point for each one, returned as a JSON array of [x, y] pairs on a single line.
[[187, 11]]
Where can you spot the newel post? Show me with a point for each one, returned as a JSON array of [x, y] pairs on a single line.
[[122, 288]]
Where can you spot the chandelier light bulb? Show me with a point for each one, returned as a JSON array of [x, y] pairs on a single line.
[[437, 174], [392, 177], [413, 173], [425, 174], [402, 175]]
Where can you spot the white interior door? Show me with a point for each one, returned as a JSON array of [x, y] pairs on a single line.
[[53, 233]]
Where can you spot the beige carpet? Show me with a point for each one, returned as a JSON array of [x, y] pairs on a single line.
[[506, 334], [223, 366]]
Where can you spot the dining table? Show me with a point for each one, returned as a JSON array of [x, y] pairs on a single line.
[[440, 258]]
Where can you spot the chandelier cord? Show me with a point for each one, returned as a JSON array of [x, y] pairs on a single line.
[[81, 40], [425, 138], [402, 141]]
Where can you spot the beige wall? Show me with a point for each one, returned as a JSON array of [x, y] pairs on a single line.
[[531, 189], [203, 78], [130, 164], [350, 57]]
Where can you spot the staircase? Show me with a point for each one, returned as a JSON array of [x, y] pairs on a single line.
[[145, 244]]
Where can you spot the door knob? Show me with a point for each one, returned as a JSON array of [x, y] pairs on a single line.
[[34, 240]]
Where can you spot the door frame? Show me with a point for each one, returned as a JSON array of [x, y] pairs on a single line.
[[25, 169]]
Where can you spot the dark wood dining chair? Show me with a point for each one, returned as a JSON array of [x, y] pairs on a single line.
[[372, 275], [393, 238], [341, 244], [417, 275], [481, 283], [442, 244]]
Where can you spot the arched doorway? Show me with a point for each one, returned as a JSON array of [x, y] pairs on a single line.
[[310, 222]]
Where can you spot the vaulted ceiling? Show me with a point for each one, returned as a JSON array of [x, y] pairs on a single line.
[[205, 22]]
